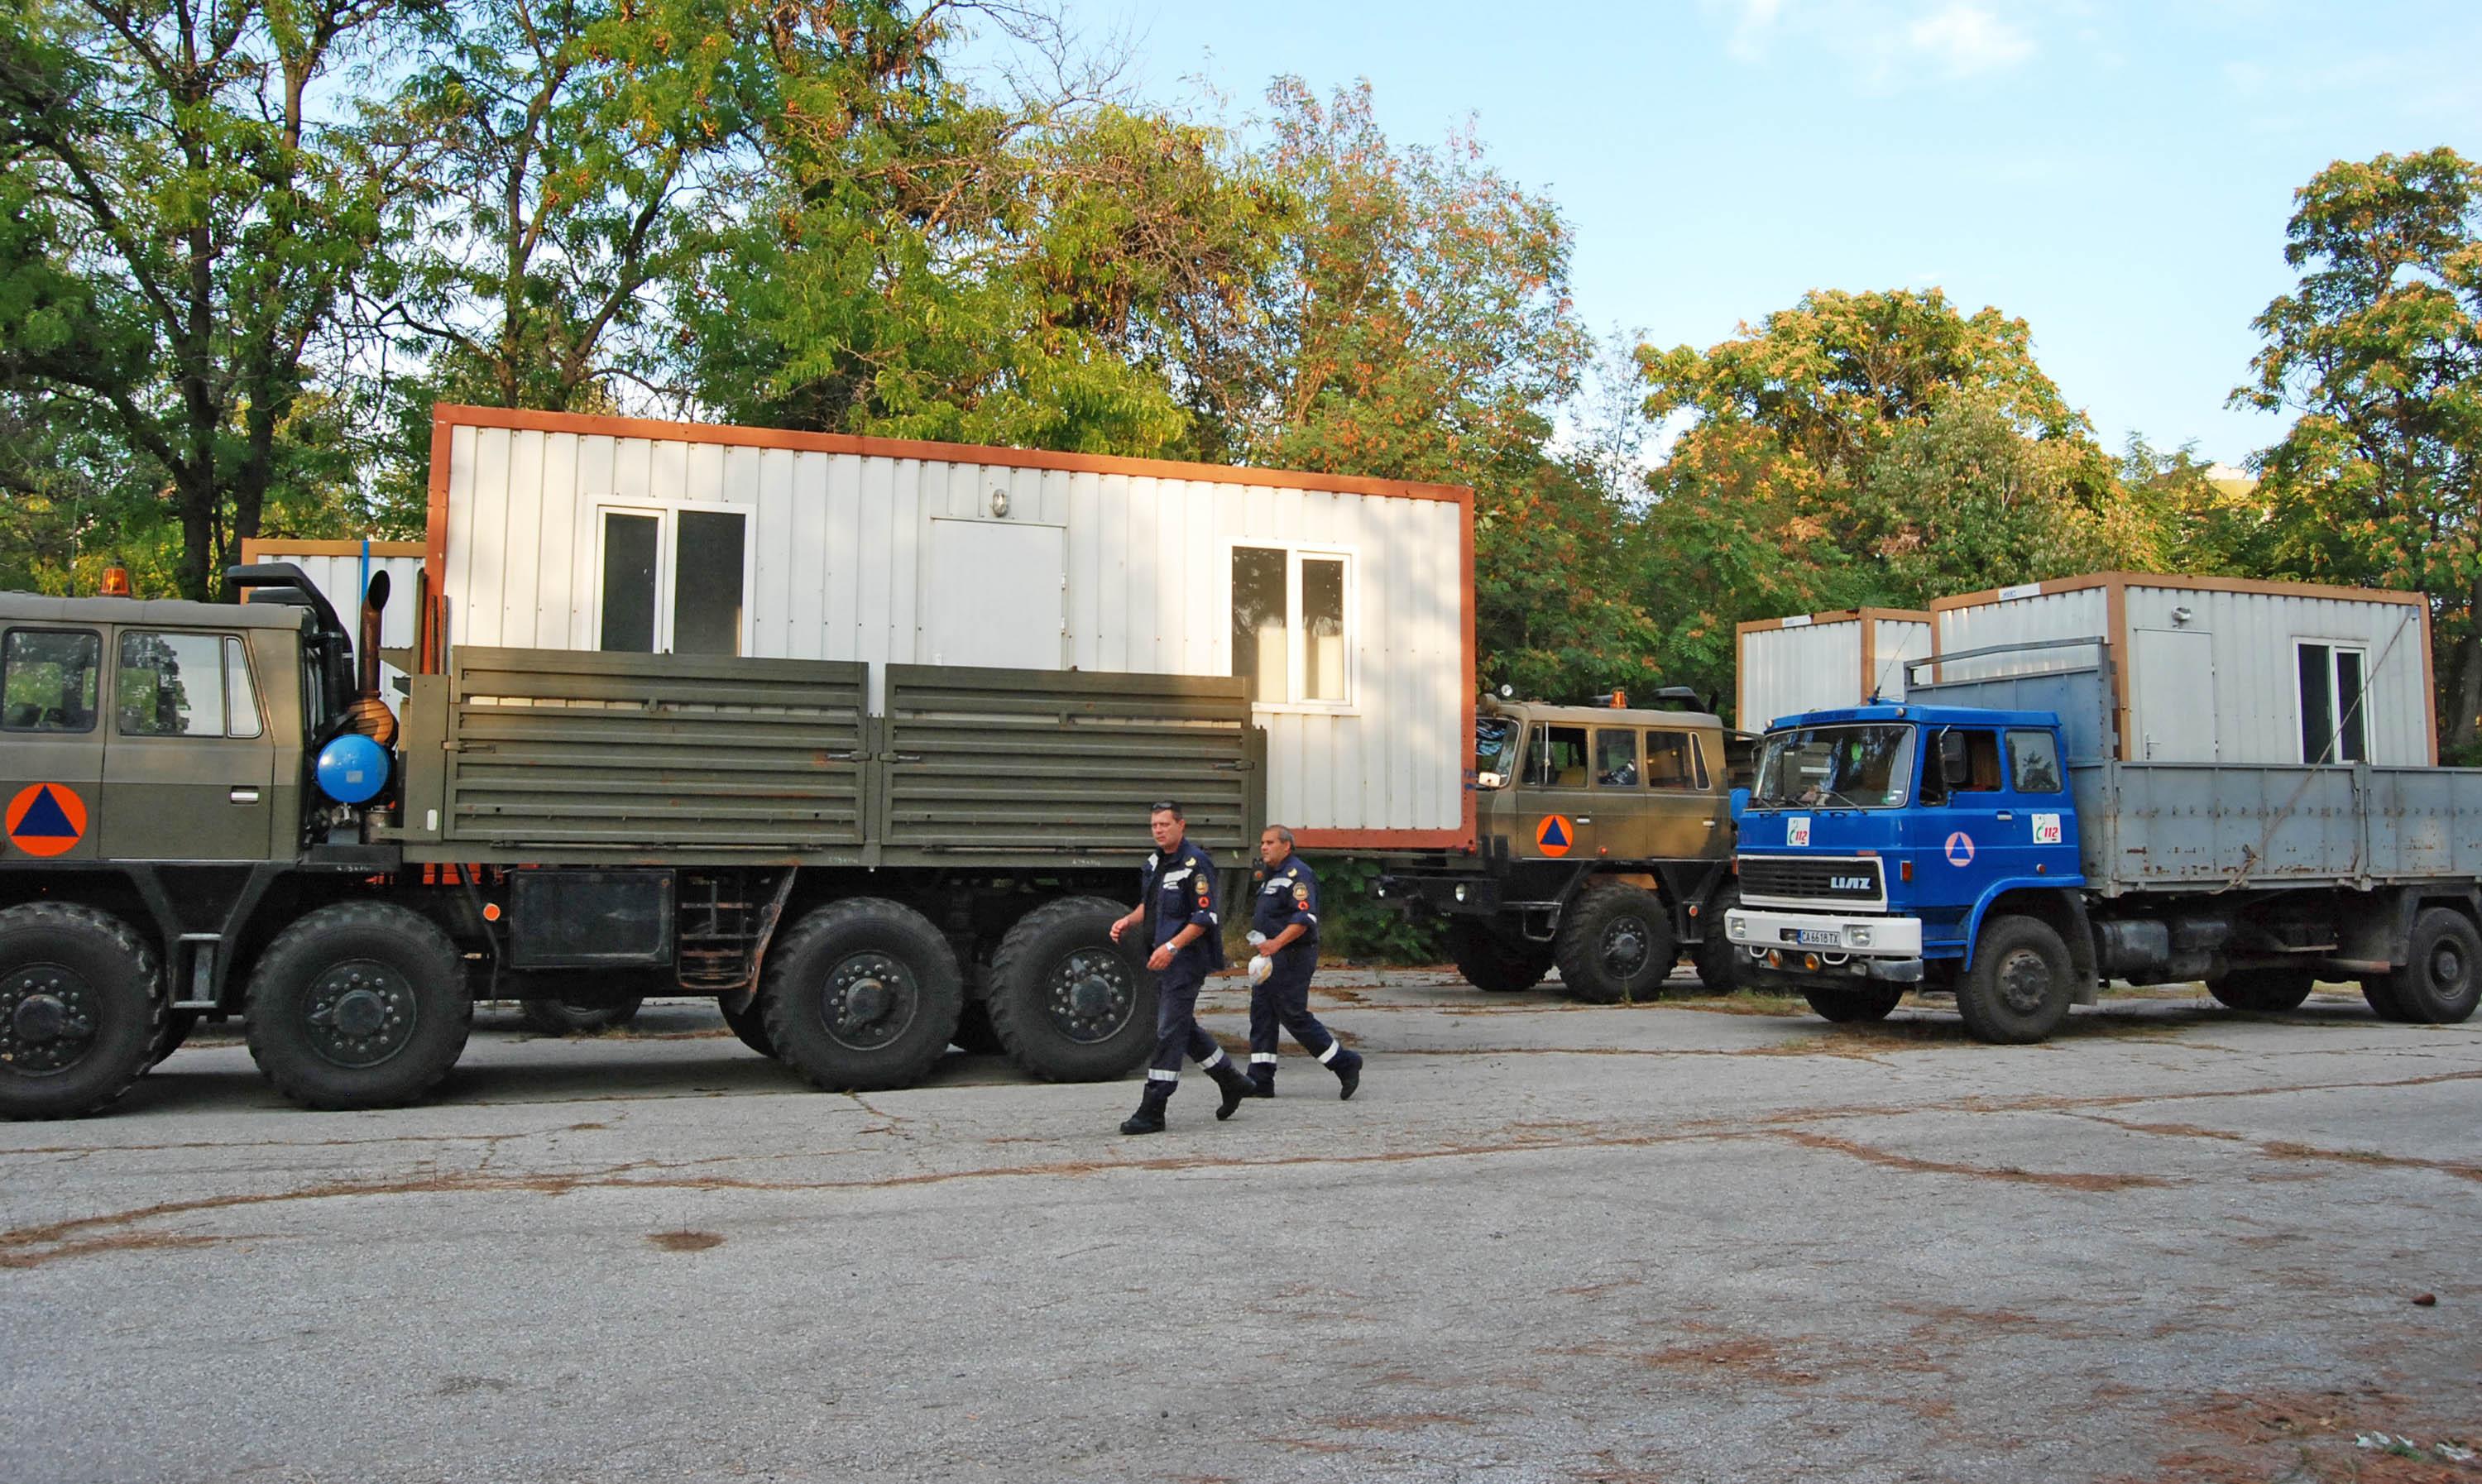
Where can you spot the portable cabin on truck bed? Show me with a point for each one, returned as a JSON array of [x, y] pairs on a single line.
[[635, 788], [1814, 660]]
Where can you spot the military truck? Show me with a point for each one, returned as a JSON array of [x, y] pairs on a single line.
[[1604, 846], [209, 813]]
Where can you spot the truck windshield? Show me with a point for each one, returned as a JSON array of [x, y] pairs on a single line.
[[1865, 767], [1494, 751]]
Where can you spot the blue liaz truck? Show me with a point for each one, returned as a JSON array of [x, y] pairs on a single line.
[[1987, 839]]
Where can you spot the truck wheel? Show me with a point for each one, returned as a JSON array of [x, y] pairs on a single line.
[[2383, 999], [1846, 1006], [561, 1017], [1717, 960], [2263, 991], [358, 1005], [1494, 964], [2438, 985], [79, 1015], [749, 1023], [2019, 987], [175, 1029], [861, 996], [1614, 944], [974, 1032], [1068, 1004]]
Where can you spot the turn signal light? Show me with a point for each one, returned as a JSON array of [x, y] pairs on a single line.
[[1903, 870]]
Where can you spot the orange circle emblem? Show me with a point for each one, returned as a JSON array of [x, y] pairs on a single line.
[[1555, 834], [45, 819]]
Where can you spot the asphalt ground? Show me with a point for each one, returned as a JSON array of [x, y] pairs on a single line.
[[1691, 1240]]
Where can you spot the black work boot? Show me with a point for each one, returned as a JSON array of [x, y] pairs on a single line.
[[1236, 1085], [1347, 1067], [1262, 1079], [1149, 1117]]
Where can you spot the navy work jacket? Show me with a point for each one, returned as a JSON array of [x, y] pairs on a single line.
[[1180, 890], [1286, 896]]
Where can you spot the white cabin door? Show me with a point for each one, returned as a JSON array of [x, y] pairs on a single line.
[[2173, 695], [999, 595]]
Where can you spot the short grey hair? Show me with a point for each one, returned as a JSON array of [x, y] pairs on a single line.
[[1282, 834]]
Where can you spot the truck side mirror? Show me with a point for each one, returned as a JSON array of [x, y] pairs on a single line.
[[1956, 769]]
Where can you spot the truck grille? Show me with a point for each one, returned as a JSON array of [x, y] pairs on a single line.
[[1810, 879]]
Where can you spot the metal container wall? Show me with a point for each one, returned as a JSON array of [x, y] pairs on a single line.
[[1815, 661], [2224, 827], [2025, 620], [840, 567]]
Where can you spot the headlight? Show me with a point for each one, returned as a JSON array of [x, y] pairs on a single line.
[[1736, 923], [1858, 936]]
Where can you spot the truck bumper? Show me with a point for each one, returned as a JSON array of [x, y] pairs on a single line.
[[1468, 893], [1774, 943]]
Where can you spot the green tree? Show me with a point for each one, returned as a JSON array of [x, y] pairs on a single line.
[[2379, 349], [189, 218]]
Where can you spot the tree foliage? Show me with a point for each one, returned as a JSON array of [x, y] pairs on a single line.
[[2379, 349]]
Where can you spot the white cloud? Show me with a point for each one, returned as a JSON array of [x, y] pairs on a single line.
[[1968, 40], [1753, 21]]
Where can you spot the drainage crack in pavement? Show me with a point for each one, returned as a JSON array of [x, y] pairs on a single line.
[[2287, 1149]]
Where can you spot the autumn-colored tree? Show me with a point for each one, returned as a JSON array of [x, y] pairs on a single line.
[[2379, 349]]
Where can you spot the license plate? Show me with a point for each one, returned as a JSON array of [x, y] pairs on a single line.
[[1816, 938]]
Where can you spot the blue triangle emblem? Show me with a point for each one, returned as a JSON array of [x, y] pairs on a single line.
[[45, 820], [1552, 834]]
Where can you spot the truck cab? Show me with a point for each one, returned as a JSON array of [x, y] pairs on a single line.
[[1604, 840], [1879, 839]]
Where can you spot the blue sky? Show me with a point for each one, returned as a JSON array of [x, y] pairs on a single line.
[[2117, 174]]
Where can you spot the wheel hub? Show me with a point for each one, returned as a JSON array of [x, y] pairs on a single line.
[[869, 1001], [2025, 981], [46, 1018], [2446, 967], [360, 1012], [1090, 994], [1624, 946]]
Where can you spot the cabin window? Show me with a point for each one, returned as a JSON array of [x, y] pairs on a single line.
[[1556, 757], [672, 582], [1615, 758], [184, 685], [2035, 761], [1982, 766], [1673, 762], [1292, 625], [2335, 721], [47, 677]]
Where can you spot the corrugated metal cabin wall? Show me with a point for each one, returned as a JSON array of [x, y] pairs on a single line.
[[1149, 581], [2256, 681], [1807, 667], [2076, 613], [1895, 642]]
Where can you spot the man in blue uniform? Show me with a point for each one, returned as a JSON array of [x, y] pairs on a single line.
[[1283, 922], [1179, 899]]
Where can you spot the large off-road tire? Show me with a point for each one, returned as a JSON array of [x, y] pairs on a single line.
[[1493, 962], [169, 1035], [358, 1005], [2441, 977], [1068, 1004], [2264, 990], [1718, 960], [861, 996], [79, 1015], [2020, 985], [2381, 992], [1845, 1007], [974, 1032], [749, 1023], [1614, 944], [560, 1018]]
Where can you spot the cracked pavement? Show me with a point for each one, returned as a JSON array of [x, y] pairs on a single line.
[[1689, 1240]]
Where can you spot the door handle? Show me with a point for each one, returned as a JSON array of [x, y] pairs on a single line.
[[2006, 815], [1585, 819], [244, 796]]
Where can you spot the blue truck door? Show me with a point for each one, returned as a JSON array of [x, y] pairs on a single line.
[[1976, 824]]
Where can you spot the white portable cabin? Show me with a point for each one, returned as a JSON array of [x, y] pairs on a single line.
[[1813, 661], [1349, 601], [342, 572], [2221, 669]]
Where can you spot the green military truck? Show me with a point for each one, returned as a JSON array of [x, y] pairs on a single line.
[[1605, 848], [202, 821]]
